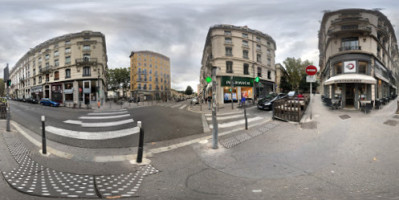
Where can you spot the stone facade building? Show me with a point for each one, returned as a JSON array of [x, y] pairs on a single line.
[[358, 56], [69, 69], [240, 54]]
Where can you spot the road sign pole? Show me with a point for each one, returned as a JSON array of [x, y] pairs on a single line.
[[311, 110], [231, 85], [214, 120]]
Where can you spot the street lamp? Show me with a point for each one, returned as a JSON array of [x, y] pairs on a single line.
[[98, 87]]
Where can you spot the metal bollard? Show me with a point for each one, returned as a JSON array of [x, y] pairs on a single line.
[[245, 116], [8, 118], [44, 146], [141, 143]]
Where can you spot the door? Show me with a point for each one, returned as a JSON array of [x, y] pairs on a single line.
[[350, 95]]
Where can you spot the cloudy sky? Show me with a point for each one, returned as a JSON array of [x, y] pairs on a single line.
[[175, 28]]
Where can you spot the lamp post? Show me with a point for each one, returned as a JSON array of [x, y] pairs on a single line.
[[98, 87]]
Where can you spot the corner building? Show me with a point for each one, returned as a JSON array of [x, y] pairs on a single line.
[[358, 56], [69, 69], [149, 75], [240, 54]]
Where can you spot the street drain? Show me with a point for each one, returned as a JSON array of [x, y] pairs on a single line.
[[391, 122], [309, 125], [344, 117]]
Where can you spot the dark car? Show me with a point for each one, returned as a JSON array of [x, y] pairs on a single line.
[[32, 100], [269, 96], [48, 102], [267, 104]]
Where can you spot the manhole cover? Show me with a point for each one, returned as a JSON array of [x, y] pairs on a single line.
[[309, 125], [344, 116], [396, 116], [391, 122]]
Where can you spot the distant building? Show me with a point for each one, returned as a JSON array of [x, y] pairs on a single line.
[[280, 72], [150, 76], [358, 56], [70, 69], [240, 54]]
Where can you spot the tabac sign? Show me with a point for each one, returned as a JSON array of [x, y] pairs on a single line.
[[237, 81], [350, 67]]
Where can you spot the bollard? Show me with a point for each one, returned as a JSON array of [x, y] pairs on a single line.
[[8, 117], [44, 147], [141, 143], [245, 116]]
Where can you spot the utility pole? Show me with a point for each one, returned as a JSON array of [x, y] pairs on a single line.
[[231, 86], [214, 120]]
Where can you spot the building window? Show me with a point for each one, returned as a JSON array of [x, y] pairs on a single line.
[[56, 63], [47, 56], [86, 47], [47, 77], [244, 35], [229, 51], [228, 41], [362, 67], [269, 74], [150, 71], [86, 71], [39, 59], [259, 72], [351, 43], [68, 50], [40, 79], [245, 54], [56, 75], [86, 57], [227, 32], [34, 81], [150, 78], [67, 42], [258, 58], [34, 72], [47, 65], [246, 69], [139, 86], [229, 67], [145, 87], [258, 39], [150, 86], [245, 43], [139, 70], [258, 48], [68, 73], [338, 68], [67, 60]]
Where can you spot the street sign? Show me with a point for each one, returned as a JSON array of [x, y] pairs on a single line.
[[311, 70], [310, 79], [208, 79]]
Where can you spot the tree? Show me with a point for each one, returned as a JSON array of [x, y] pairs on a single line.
[[119, 78], [295, 70], [285, 86], [189, 90], [2, 88]]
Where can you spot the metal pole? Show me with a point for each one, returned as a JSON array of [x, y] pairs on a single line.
[[141, 143], [311, 110], [231, 86], [245, 116], [44, 146], [8, 109], [214, 120]]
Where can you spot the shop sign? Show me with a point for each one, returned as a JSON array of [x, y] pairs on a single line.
[[237, 81], [350, 66]]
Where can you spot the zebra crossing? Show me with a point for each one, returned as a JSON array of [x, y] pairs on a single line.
[[119, 123], [180, 105], [233, 120]]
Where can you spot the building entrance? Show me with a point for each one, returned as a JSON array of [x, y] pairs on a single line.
[[350, 95]]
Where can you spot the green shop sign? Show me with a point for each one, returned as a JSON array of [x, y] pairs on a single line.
[[237, 81]]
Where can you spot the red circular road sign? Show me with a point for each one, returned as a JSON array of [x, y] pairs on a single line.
[[311, 70]]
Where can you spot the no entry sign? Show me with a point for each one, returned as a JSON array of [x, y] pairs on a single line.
[[311, 70]]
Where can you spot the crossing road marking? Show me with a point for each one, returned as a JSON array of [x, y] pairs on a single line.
[[227, 117], [223, 114], [177, 105], [73, 122], [104, 117], [182, 107], [105, 135], [107, 113], [99, 124], [235, 123]]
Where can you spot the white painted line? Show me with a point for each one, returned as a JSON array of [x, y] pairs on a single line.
[[73, 122], [182, 107], [99, 111], [235, 123], [39, 144], [227, 117], [177, 105], [92, 135], [107, 113], [104, 117], [107, 124], [223, 114]]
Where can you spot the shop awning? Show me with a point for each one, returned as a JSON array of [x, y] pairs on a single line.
[[351, 78]]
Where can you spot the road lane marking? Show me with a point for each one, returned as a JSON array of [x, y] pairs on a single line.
[[104, 135], [182, 107], [73, 122], [235, 123], [104, 117], [177, 105], [223, 114], [107, 113], [107, 124], [226, 117]]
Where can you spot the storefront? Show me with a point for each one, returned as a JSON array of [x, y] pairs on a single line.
[[68, 91], [37, 92], [242, 87], [56, 92]]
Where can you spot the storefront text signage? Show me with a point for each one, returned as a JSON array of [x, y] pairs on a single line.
[[237, 81]]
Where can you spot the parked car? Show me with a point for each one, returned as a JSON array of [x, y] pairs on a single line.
[[267, 104], [292, 94], [194, 101], [269, 96], [31, 100], [48, 102]]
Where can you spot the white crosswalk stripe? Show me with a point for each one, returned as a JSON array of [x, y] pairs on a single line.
[[105, 117], [183, 106], [235, 123]]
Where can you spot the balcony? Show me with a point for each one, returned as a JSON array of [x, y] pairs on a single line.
[[86, 61], [351, 19], [365, 30], [45, 70], [349, 48]]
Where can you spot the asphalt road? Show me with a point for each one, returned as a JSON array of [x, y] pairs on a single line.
[[159, 123]]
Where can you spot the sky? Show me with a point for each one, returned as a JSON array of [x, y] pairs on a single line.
[[176, 28]]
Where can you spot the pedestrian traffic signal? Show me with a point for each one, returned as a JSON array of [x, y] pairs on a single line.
[[208, 79], [8, 82], [257, 79]]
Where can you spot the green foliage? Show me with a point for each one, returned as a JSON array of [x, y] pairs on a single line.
[[189, 90], [118, 78], [295, 69], [2, 88], [285, 86]]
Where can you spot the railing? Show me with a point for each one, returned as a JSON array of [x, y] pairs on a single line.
[[86, 61], [348, 48], [290, 109]]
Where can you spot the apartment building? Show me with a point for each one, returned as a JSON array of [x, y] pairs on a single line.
[[240, 54], [358, 56], [149, 75], [69, 69]]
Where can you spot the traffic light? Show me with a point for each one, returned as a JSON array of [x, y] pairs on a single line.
[[257, 79], [8, 82], [208, 79]]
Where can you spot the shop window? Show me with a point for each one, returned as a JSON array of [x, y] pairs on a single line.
[[362, 67], [56, 75], [229, 67], [246, 69], [338, 68]]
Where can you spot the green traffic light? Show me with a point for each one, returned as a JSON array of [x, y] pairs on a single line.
[[257, 79], [208, 79]]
